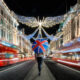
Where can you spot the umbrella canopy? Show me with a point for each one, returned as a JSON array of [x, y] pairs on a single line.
[[40, 45]]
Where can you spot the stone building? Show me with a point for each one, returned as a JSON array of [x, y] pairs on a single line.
[[58, 41], [8, 24], [9, 29], [71, 26], [70, 30]]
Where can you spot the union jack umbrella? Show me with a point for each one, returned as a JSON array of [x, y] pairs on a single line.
[[40, 46]]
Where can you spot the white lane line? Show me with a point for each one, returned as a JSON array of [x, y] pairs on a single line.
[[76, 64], [67, 67], [13, 67]]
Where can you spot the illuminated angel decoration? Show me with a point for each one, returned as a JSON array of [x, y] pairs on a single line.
[[48, 22], [45, 22]]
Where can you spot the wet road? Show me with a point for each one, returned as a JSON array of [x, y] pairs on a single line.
[[28, 71], [16, 72], [62, 72], [45, 74]]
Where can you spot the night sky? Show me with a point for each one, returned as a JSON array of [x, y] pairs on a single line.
[[40, 8]]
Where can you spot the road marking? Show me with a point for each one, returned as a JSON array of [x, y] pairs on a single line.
[[69, 68], [76, 64], [13, 67], [66, 66]]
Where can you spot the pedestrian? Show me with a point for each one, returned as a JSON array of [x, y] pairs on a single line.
[[39, 58]]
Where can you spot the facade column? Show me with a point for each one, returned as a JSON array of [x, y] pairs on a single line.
[[79, 25], [6, 34], [76, 28], [0, 33]]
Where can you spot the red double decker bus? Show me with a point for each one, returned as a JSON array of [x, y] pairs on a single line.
[[8, 53]]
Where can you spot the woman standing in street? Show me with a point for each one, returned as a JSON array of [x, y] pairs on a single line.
[[39, 58]]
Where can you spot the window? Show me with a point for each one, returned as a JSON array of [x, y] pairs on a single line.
[[12, 22], [15, 25], [7, 36], [5, 15], [8, 27], [1, 12], [2, 33], [10, 37], [1, 21], [9, 21]]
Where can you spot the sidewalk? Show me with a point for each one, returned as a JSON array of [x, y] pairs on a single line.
[[45, 74]]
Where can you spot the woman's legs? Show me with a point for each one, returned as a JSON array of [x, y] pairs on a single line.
[[39, 60]]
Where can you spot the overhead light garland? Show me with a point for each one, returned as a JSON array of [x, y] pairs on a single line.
[[46, 22]]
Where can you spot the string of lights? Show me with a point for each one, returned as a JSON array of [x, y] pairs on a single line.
[[47, 22]]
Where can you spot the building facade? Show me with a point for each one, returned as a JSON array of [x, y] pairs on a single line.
[[70, 30], [71, 26], [57, 43], [8, 24], [9, 30]]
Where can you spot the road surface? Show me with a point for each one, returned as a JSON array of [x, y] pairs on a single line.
[[28, 71]]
